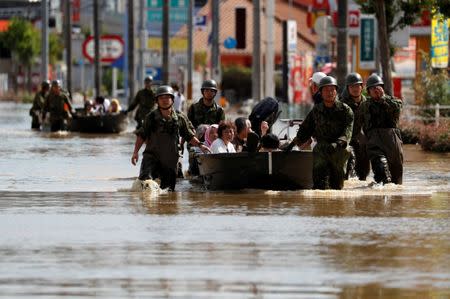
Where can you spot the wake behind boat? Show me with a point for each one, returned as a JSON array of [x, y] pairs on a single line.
[[261, 170]]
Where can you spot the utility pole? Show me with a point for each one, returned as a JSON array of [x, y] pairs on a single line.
[[256, 60], [285, 74], [68, 42], [190, 62], [342, 39], [44, 45], [270, 54], [165, 40], [215, 64], [143, 39], [384, 45], [96, 49], [130, 57]]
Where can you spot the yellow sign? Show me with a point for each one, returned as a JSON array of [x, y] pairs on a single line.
[[175, 44], [439, 43]]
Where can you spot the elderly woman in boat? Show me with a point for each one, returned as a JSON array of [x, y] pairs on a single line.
[[223, 143]]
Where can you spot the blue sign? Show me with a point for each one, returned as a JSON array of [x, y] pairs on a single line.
[[230, 43], [155, 72], [200, 21]]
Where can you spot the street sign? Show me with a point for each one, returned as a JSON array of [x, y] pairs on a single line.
[[111, 48], [439, 43], [178, 11], [230, 43], [155, 72], [367, 42], [292, 36]]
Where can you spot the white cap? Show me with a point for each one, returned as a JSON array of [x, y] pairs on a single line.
[[317, 76]]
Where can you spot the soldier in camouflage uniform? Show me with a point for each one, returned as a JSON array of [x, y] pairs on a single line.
[[38, 105], [206, 111], [379, 116], [145, 98], [57, 103], [358, 163], [331, 123], [161, 132]]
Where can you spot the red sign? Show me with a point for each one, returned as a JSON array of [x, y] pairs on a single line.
[[111, 48], [353, 18]]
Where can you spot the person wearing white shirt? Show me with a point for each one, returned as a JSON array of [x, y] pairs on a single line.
[[178, 102], [223, 143]]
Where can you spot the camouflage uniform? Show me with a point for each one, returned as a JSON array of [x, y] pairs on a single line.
[[55, 105], [199, 114], [37, 109], [162, 150], [358, 162], [379, 120], [332, 127], [145, 98]]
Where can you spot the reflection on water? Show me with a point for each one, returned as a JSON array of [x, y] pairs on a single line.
[[69, 228]]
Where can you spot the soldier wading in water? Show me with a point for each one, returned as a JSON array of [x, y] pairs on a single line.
[[58, 105], [38, 105], [145, 99], [161, 131], [358, 163], [331, 123], [206, 111], [379, 116]]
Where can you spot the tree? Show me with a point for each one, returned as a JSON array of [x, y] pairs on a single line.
[[56, 47], [24, 42], [397, 15]]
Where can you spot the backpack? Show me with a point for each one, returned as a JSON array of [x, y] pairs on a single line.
[[265, 110]]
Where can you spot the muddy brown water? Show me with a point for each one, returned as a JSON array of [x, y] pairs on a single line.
[[70, 227]]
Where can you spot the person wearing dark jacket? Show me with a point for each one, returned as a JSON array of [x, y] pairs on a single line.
[[206, 111], [145, 99], [58, 105], [358, 164], [331, 123], [379, 118], [161, 132], [38, 105]]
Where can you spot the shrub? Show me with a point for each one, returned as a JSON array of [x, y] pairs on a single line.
[[434, 138], [410, 131]]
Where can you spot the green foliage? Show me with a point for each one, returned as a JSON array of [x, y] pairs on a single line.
[[56, 47], [432, 85], [23, 40], [107, 79], [239, 79]]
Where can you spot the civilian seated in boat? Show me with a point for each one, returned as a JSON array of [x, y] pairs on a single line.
[[223, 143], [89, 107], [101, 105], [270, 143], [211, 134], [245, 139], [195, 150], [115, 107]]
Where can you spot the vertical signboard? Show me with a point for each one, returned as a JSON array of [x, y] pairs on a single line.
[[291, 40], [367, 42], [439, 42]]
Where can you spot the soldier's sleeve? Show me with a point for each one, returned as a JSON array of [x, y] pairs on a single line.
[[191, 114], [187, 130], [306, 128], [35, 104], [144, 131], [348, 129], [134, 102], [46, 105], [394, 107], [222, 114]]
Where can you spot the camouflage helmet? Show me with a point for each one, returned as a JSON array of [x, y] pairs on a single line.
[[56, 83], [148, 79], [209, 84], [45, 84], [353, 78], [165, 90], [327, 81], [374, 80]]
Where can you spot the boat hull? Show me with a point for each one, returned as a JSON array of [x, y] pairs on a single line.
[[270, 171], [108, 123]]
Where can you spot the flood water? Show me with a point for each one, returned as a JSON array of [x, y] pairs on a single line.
[[70, 227]]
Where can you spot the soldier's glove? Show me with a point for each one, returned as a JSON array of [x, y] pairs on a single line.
[[124, 112]]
